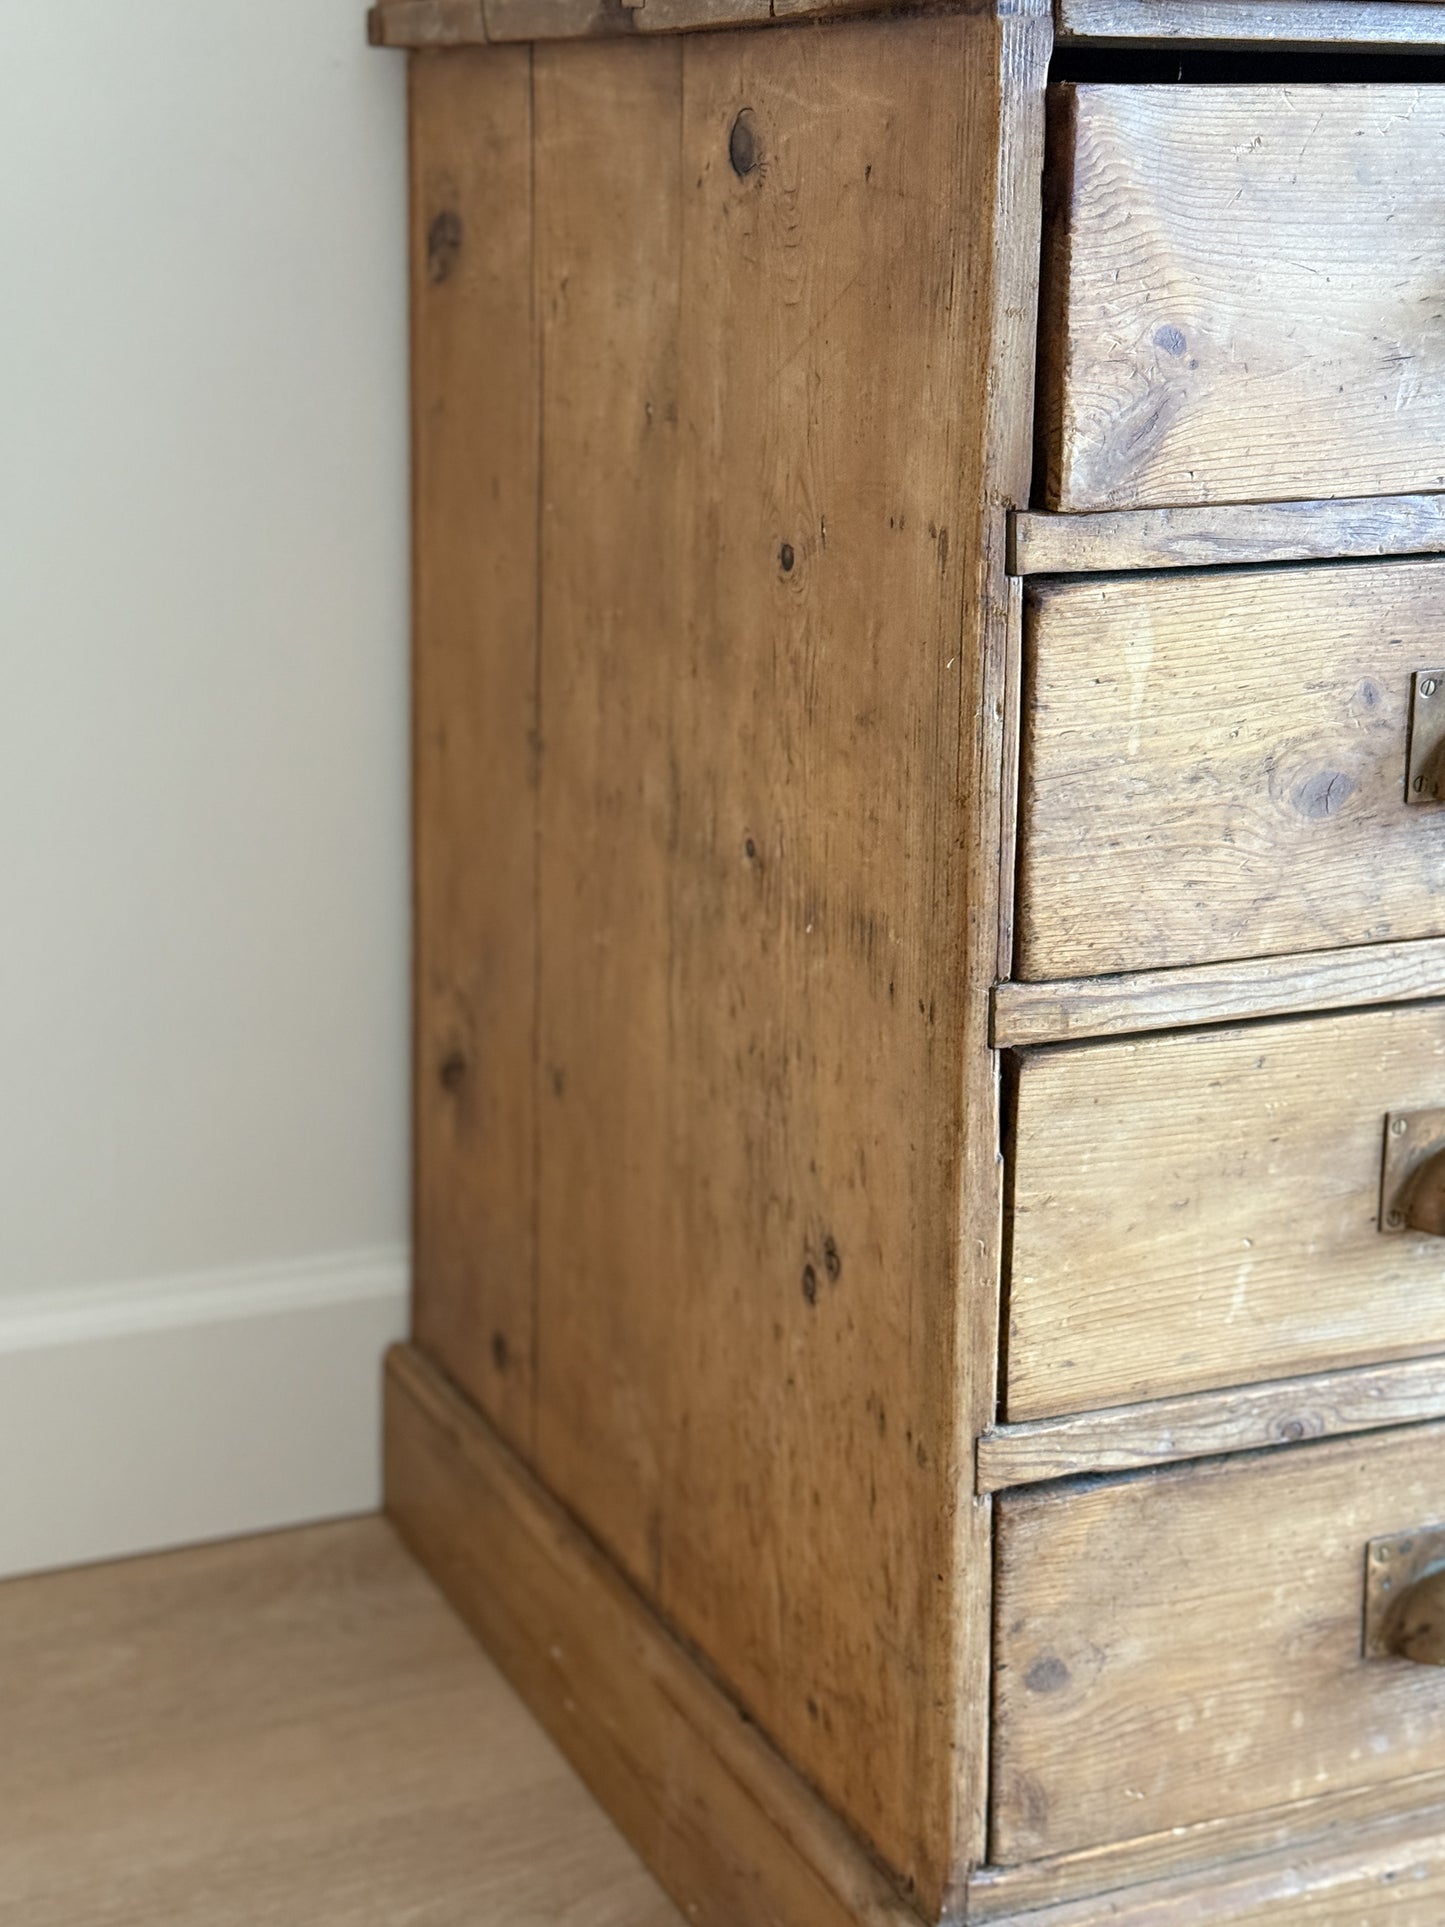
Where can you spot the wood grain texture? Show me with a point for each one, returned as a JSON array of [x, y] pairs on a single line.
[[293, 1729], [1405, 25], [1242, 295], [1008, 863], [1394, 24], [1389, 1872], [474, 429], [1241, 1419], [683, 16], [1214, 767], [1147, 1000], [426, 24], [1186, 1866], [610, 248], [308, 1733], [1228, 1183], [775, 466], [308, 1698], [1187, 1645], [419, 24], [728, 1828], [1187, 538], [516, 20]]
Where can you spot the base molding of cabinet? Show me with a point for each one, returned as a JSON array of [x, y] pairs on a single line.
[[728, 1828], [732, 1833]]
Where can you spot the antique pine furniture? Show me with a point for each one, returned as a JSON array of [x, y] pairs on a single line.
[[929, 1353]]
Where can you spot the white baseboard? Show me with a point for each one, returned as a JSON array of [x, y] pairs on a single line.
[[158, 1413]]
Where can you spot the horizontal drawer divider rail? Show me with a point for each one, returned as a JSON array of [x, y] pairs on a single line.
[[1070, 1010], [1250, 1418], [1108, 541]]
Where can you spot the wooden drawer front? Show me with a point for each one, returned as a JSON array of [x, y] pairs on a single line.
[[1215, 766], [1243, 294], [1201, 1209], [1186, 1646]]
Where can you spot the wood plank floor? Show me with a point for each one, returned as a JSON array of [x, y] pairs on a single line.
[[293, 1729]]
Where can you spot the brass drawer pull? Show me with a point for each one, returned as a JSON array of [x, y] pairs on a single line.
[[1422, 1202], [1415, 1628], [1405, 1597], [1425, 777], [1412, 1190]]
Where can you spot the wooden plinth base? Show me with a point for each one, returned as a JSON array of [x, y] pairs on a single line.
[[729, 1829], [732, 1833]]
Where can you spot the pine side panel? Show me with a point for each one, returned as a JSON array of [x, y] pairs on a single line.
[[474, 713], [774, 630], [610, 242]]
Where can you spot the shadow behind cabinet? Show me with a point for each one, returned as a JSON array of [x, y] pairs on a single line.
[[930, 1051]]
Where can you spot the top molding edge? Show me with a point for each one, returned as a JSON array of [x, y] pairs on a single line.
[[418, 24], [1400, 26]]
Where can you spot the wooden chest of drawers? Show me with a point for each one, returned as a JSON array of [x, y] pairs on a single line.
[[929, 1349]]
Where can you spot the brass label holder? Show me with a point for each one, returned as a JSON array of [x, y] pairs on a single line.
[[1425, 779]]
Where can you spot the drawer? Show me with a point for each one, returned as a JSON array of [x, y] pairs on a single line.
[[1243, 294], [1200, 1209], [1215, 765], [1187, 1646]]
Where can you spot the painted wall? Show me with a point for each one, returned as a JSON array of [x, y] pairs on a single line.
[[202, 762]]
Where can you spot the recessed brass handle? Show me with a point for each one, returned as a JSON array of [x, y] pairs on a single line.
[[1425, 766], [1422, 1203], [1412, 1188], [1405, 1597], [1427, 779], [1415, 1626]]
